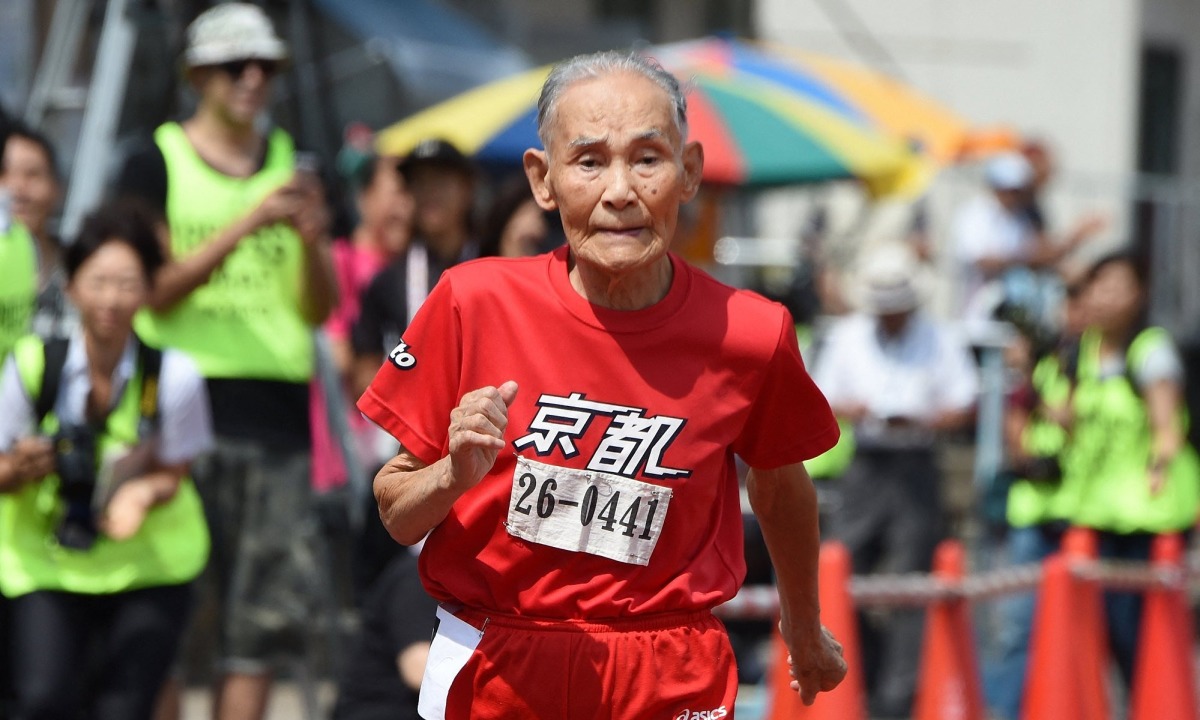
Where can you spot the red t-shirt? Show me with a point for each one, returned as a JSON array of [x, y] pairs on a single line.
[[664, 395]]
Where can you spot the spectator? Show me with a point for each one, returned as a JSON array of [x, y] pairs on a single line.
[[640, 378], [248, 277], [29, 172], [385, 210], [382, 676], [442, 182], [100, 599], [1000, 249], [1128, 451], [18, 275], [514, 226], [1038, 504], [18, 290], [901, 380]]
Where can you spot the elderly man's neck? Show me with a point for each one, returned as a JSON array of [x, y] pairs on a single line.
[[636, 289]]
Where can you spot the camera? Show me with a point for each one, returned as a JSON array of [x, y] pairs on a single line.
[[1043, 469], [75, 464], [1042, 337]]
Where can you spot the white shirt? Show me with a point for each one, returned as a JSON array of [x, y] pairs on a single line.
[[983, 228], [184, 426], [924, 371]]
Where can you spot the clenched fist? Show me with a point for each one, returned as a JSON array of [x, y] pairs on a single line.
[[477, 432], [818, 666]]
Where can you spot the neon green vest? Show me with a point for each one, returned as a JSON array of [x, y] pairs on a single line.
[[170, 548], [833, 462], [1032, 502], [1111, 446], [245, 322], [18, 285]]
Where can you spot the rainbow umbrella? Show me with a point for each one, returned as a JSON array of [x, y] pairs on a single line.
[[863, 96], [756, 130]]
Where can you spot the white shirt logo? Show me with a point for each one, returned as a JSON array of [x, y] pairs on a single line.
[[716, 714], [632, 442], [401, 357]]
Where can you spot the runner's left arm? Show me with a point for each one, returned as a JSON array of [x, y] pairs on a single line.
[[785, 502]]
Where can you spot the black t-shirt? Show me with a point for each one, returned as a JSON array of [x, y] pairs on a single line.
[[396, 614], [268, 411], [383, 312]]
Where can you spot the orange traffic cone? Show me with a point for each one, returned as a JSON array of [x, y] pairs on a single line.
[[848, 700], [1163, 685], [1082, 545], [948, 687], [1068, 649]]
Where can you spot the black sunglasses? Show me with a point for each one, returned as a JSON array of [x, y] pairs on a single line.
[[235, 68]]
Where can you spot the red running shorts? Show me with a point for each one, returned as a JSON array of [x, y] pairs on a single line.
[[670, 667]]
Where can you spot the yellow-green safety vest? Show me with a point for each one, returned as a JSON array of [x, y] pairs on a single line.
[[1111, 445], [833, 462], [18, 284], [170, 548], [1033, 502], [246, 321]]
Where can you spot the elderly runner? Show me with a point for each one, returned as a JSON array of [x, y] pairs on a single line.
[[582, 528]]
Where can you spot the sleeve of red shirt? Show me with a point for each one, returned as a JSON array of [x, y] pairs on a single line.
[[412, 400], [790, 420]]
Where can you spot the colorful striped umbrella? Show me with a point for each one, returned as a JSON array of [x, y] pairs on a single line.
[[761, 120]]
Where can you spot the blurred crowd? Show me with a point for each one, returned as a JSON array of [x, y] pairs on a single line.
[[170, 423]]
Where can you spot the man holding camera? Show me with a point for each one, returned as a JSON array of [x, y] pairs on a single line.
[[249, 276]]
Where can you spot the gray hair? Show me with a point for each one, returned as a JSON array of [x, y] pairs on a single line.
[[583, 67]]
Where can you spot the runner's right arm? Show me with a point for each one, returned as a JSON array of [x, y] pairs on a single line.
[[414, 497]]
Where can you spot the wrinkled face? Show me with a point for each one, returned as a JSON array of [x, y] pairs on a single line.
[[443, 196], [617, 171], [239, 90], [525, 231], [108, 289], [29, 179], [386, 206], [1114, 297]]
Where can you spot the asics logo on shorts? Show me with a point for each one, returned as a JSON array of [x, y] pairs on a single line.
[[701, 714], [401, 357]]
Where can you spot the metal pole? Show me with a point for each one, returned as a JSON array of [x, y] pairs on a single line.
[[989, 437], [58, 57], [105, 98]]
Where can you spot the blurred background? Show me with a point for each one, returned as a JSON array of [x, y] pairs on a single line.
[[1110, 88]]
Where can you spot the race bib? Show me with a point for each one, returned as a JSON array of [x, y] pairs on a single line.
[[587, 511]]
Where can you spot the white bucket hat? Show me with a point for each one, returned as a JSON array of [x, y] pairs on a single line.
[[232, 31], [890, 280]]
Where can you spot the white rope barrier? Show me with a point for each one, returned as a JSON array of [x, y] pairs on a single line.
[[920, 589]]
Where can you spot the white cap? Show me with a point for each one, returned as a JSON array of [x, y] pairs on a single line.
[[232, 31], [889, 280], [1009, 171]]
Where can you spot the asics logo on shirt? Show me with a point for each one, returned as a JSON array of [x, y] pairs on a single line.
[[632, 442], [401, 357], [716, 714]]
